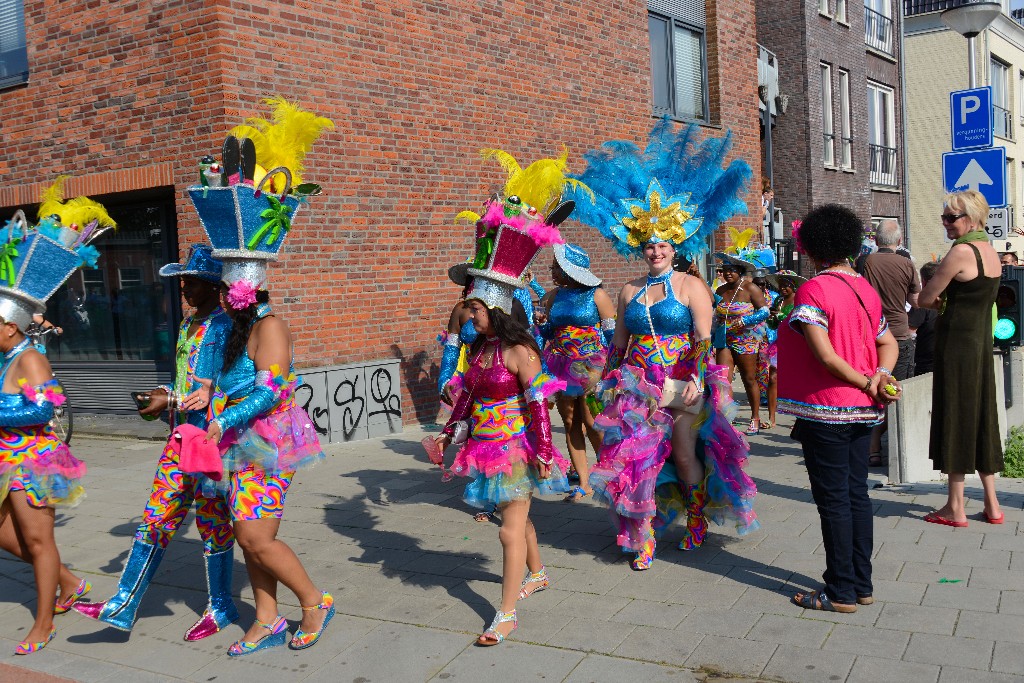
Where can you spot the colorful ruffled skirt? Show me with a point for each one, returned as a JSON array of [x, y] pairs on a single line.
[[283, 440], [576, 356], [498, 454], [741, 339], [638, 443], [34, 460]]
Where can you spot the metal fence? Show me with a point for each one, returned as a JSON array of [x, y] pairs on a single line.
[[877, 31], [883, 165], [1002, 122]]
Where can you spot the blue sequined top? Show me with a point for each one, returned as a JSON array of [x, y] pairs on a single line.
[[16, 410], [668, 316], [575, 307], [523, 296], [246, 388]]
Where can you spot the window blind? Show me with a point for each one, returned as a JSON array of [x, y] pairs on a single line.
[[692, 12], [13, 52]]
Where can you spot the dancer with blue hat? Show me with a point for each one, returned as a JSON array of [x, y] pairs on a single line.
[[198, 356], [669, 445], [37, 470], [578, 324]]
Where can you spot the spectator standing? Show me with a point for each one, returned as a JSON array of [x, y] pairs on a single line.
[[965, 433], [895, 279], [922, 323], [1008, 258]]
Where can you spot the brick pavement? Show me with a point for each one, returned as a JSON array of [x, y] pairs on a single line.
[[416, 580]]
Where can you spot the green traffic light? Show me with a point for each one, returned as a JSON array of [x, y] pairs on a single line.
[[1005, 329]]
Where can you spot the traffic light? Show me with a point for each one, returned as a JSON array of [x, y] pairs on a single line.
[[1009, 326]]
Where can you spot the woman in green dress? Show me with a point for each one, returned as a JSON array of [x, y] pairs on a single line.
[[965, 429]]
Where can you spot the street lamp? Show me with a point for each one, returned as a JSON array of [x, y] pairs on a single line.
[[969, 19]]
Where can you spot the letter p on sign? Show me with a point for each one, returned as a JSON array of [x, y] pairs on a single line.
[[968, 105]]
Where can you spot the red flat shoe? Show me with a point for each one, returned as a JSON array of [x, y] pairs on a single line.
[[934, 518], [993, 520]]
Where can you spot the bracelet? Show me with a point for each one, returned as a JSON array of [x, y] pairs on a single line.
[[884, 371], [542, 461], [868, 385]]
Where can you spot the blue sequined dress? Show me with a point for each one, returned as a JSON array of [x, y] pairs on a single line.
[[575, 351]]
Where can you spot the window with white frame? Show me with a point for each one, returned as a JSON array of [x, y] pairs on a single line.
[[823, 7], [13, 50], [841, 11], [999, 79], [827, 129], [845, 124], [878, 26], [678, 58], [882, 135]]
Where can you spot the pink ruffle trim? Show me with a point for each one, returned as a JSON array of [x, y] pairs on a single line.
[[492, 458]]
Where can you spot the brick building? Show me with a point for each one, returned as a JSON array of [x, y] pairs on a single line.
[[127, 96], [840, 138]]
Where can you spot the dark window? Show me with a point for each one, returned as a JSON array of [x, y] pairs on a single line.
[[678, 58], [13, 53]]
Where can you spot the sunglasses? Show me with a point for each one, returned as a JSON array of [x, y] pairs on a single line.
[[951, 217]]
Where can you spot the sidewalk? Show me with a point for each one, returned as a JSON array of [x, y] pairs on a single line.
[[416, 580]]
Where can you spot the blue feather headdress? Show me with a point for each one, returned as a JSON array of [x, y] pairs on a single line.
[[676, 190]]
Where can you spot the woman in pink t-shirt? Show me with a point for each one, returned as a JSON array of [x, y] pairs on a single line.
[[835, 355]]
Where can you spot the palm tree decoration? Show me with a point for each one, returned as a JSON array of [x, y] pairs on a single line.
[[279, 220]]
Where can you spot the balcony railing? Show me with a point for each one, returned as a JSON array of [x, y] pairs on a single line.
[[883, 165], [877, 31], [912, 7], [1002, 122], [829, 152]]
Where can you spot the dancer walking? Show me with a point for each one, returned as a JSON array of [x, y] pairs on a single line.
[[263, 436], [199, 355], [579, 324], [742, 312], [501, 417], [649, 204], [37, 470]]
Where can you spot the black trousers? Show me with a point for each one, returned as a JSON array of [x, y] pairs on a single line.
[[836, 456]]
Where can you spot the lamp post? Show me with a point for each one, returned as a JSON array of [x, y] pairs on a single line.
[[970, 18]]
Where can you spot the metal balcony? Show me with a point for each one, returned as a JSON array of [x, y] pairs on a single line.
[[1002, 122], [882, 166], [878, 31]]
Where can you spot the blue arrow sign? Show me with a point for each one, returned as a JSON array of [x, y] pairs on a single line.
[[970, 116], [983, 170]]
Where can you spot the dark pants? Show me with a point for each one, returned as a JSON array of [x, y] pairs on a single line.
[[836, 456], [904, 368]]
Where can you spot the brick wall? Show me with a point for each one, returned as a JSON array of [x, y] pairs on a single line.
[[802, 39], [415, 88]]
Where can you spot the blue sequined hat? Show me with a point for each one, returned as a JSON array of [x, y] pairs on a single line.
[[574, 262], [33, 265], [246, 225], [200, 264]]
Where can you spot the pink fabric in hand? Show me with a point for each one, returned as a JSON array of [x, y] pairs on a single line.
[[196, 454]]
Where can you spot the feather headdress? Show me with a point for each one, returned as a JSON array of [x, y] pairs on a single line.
[[74, 213], [285, 139], [675, 190]]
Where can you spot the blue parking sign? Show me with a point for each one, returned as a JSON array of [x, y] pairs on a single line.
[[983, 170], [970, 116]]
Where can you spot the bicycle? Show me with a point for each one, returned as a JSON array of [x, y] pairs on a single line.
[[63, 417]]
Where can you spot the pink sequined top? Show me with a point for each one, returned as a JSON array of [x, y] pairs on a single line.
[[495, 382], [806, 388]]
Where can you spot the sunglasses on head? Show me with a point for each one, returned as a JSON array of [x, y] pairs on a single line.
[[951, 217]]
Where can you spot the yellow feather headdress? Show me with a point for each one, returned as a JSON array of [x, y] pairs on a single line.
[[77, 212], [285, 139]]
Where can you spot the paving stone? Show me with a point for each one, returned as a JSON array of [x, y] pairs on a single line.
[[899, 591], [882, 643], [537, 627], [875, 670], [1008, 658], [412, 653], [988, 559], [652, 645], [998, 579], [960, 596], [774, 628], [1012, 602], [1005, 627], [937, 620], [648, 613], [954, 674], [969, 653], [806, 665], [529, 662], [719, 621], [599, 668], [714, 595], [906, 552], [414, 609], [590, 635], [729, 655], [921, 572], [586, 606]]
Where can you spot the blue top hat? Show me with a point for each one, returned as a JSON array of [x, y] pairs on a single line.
[[32, 267], [574, 262], [200, 264], [245, 224]]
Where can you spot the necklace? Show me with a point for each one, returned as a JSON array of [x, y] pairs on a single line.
[[659, 279], [21, 346]]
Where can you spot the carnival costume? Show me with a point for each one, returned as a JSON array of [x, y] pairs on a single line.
[[200, 355], [674, 191], [744, 326], [247, 213], [34, 262], [577, 337]]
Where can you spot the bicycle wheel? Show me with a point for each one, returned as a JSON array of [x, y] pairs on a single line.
[[63, 419]]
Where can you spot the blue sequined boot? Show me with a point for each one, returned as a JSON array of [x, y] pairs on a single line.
[[221, 609], [119, 611]]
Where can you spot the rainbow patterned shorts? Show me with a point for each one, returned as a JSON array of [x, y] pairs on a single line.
[[254, 494], [22, 481]]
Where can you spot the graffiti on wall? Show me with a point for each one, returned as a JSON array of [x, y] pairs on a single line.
[[353, 402]]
